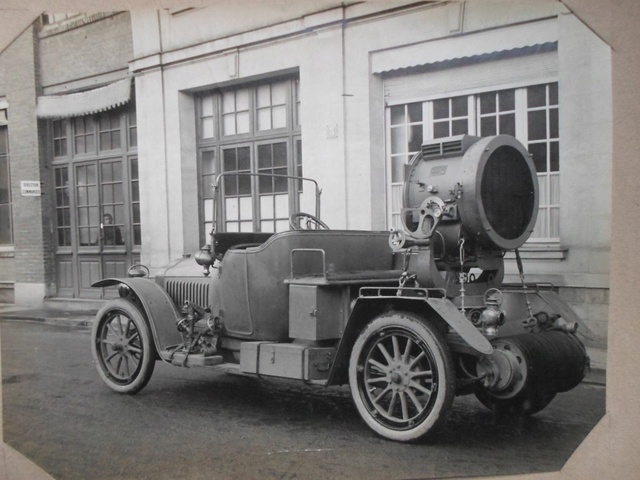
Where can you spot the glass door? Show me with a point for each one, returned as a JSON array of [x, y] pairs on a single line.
[[104, 224]]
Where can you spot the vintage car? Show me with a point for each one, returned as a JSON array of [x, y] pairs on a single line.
[[408, 318]]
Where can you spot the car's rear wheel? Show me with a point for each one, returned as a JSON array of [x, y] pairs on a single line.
[[401, 376], [122, 347]]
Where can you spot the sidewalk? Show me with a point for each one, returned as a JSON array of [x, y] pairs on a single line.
[[80, 318], [85, 318]]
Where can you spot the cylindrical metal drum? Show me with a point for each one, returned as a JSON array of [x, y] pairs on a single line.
[[489, 186]]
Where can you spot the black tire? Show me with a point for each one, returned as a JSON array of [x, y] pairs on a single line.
[[122, 347], [527, 402], [401, 376]]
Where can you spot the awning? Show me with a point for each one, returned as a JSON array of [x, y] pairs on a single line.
[[465, 46], [84, 103]]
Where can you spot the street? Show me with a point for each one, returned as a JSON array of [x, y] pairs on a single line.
[[197, 423]]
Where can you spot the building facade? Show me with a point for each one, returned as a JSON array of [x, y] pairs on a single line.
[[344, 94]]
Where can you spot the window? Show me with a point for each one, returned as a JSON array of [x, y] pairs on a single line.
[[135, 202], [109, 129], [60, 138], [63, 206], [244, 132], [6, 227], [544, 145], [90, 186], [84, 135], [528, 113]]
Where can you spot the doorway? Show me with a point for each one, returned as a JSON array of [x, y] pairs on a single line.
[[97, 206]]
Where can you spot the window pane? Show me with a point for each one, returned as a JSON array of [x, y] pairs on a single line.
[[415, 112], [264, 119], [208, 162], [553, 123], [242, 100], [539, 154], [415, 138], [107, 172], [488, 103], [553, 94], [508, 124], [459, 106], [554, 156], [537, 125], [488, 126], [398, 140], [231, 208], [229, 160], [265, 184], [266, 206], [460, 127], [228, 102], [281, 184], [246, 209], [440, 129], [207, 128], [280, 154], [207, 106], [244, 185], [244, 160], [243, 122], [91, 175], [6, 235], [279, 93], [554, 189], [5, 196], [536, 96], [229, 125], [282, 206], [397, 115], [397, 169], [137, 235], [4, 144], [507, 100], [264, 156], [441, 108], [279, 117], [230, 185], [267, 226], [264, 96]]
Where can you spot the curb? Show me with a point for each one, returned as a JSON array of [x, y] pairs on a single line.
[[84, 320]]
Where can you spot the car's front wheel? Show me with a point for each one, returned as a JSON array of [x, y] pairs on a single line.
[[122, 347], [401, 376]]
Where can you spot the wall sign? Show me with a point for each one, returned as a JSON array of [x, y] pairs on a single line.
[[30, 188]]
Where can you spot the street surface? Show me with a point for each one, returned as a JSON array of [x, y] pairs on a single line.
[[196, 423]]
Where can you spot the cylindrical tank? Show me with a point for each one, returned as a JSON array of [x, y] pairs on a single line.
[[483, 188]]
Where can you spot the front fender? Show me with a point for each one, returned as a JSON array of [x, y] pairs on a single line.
[[158, 308]]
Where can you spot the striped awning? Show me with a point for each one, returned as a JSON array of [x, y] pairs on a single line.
[[465, 46], [85, 103]]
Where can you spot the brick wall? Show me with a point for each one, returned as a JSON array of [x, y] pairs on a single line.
[[87, 47], [32, 260]]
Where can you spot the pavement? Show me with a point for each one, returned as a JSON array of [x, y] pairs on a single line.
[[81, 315]]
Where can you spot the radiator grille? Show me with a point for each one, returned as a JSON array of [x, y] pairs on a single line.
[[195, 292]]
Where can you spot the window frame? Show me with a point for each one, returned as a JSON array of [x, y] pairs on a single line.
[[6, 156], [211, 138], [126, 152]]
